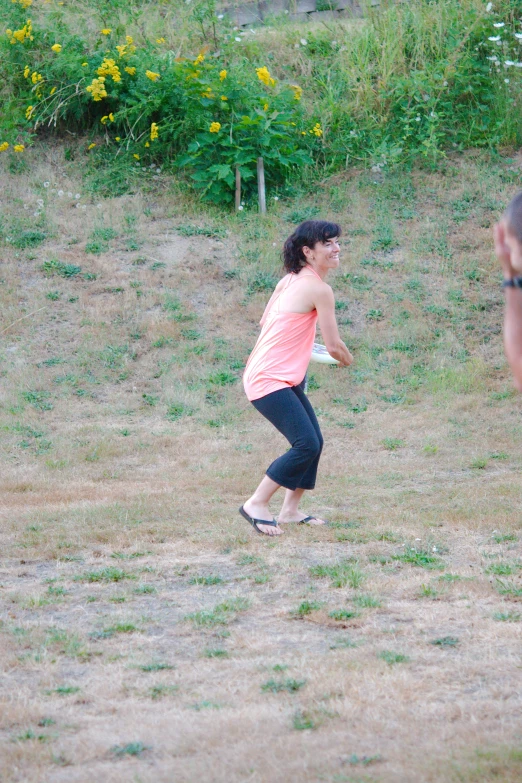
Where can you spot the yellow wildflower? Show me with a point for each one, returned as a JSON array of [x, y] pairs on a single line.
[[91, 146], [193, 74], [265, 107], [222, 75], [199, 59], [24, 3], [97, 89], [20, 35], [224, 98], [36, 77], [136, 156], [303, 133], [121, 50], [147, 143], [106, 31], [19, 148], [154, 131], [316, 130], [84, 65], [152, 75], [263, 75], [130, 70], [117, 138], [56, 48], [4, 146], [28, 112], [215, 127], [129, 39], [111, 117], [109, 68], [208, 93], [27, 71], [298, 91], [53, 91], [160, 40]]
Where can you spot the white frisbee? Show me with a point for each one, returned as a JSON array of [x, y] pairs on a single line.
[[321, 355]]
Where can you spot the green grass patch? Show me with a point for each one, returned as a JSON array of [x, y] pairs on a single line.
[[503, 569], [213, 579], [55, 267], [343, 614], [157, 666], [131, 749], [421, 558], [145, 589], [509, 589], [392, 657], [367, 601], [215, 653], [341, 574], [288, 685], [159, 691], [64, 690], [305, 608], [304, 720], [446, 641], [221, 614], [392, 444], [502, 538], [108, 574], [507, 617]]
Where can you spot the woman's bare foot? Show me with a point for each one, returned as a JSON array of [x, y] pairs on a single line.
[[261, 511], [286, 517]]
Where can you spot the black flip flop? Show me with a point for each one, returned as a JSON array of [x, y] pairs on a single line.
[[306, 521], [256, 522]]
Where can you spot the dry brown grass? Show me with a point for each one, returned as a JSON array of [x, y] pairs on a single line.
[[105, 480]]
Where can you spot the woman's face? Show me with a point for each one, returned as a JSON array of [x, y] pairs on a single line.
[[324, 254]]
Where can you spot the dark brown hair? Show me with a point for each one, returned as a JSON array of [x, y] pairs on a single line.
[[306, 235], [513, 216]]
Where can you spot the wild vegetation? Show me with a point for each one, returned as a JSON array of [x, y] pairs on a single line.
[[146, 633], [184, 88]]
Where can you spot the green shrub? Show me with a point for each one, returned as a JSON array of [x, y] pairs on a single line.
[[390, 90]]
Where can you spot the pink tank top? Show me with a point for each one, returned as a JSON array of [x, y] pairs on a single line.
[[283, 350]]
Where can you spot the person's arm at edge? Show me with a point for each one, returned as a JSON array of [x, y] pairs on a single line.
[[513, 334], [325, 305], [513, 310]]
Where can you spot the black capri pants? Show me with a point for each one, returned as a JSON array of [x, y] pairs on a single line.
[[289, 410]]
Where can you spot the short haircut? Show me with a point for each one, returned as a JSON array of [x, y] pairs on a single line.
[[308, 234], [513, 216]]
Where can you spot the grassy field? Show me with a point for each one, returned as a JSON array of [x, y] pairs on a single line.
[[146, 633]]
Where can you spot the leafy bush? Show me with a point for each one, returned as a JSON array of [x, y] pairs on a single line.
[[413, 80]]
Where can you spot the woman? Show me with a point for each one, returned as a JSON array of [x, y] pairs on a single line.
[[275, 371]]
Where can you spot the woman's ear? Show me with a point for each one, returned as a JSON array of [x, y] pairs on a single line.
[[307, 252]]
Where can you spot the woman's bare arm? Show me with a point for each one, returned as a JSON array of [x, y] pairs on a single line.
[[513, 333], [513, 311], [325, 305]]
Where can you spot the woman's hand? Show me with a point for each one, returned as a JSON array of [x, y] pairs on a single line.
[[341, 353]]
